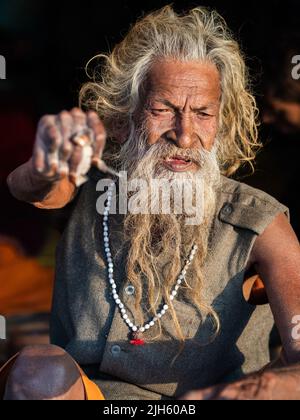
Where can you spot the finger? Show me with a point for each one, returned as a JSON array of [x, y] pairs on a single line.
[[202, 394], [65, 122], [193, 396], [40, 162], [212, 393], [74, 162], [96, 125], [215, 392], [51, 139], [39, 159], [49, 133], [79, 120], [46, 143]]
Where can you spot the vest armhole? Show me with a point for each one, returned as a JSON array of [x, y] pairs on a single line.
[[253, 289]]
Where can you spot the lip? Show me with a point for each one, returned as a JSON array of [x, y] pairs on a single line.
[[177, 164]]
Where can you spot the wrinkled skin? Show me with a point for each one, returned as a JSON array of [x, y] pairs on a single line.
[[266, 386]]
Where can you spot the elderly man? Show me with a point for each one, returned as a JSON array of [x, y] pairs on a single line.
[[148, 304]]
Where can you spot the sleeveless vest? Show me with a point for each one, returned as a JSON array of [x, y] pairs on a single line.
[[88, 325]]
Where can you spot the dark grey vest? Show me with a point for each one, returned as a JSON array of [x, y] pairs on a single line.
[[87, 324]]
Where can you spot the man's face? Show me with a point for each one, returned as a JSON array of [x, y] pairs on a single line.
[[182, 107]]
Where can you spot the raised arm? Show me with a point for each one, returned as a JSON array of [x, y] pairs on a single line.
[[49, 179]]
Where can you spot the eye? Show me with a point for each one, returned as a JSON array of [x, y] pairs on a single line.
[[203, 114], [160, 110]]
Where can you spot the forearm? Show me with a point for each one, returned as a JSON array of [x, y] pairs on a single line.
[[286, 382], [27, 186], [277, 381]]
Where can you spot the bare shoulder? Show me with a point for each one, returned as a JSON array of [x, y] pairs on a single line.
[[277, 242]]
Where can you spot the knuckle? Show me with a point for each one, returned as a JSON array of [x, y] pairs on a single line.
[[77, 112], [73, 167], [64, 115], [100, 138], [66, 149], [269, 376], [52, 132], [93, 116], [45, 119], [75, 152]]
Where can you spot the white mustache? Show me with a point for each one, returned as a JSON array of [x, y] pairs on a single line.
[[137, 152], [164, 151]]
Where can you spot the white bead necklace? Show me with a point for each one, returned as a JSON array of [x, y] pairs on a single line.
[[136, 331]]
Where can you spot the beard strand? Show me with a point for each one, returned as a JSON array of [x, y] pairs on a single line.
[[149, 237]]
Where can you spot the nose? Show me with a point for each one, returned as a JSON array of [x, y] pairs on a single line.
[[182, 134]]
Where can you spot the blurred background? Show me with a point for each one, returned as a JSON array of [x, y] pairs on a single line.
[[46, 45]]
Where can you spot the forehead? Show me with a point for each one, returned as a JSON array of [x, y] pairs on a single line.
[[179, 80]]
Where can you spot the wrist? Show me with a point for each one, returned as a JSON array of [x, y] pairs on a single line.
[[26, 184]]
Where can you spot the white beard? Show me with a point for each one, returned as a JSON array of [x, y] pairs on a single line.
[[148, 236], [162, 191]]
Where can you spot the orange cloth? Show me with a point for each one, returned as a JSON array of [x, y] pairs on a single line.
[[25, 286], [92, 392]]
